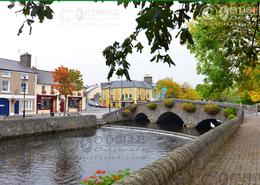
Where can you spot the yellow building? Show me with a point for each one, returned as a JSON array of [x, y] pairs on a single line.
[[123, 93]]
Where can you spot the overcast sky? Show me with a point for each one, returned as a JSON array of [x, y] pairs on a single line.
[[77, 36]]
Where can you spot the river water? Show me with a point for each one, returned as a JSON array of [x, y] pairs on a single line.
[[67, 157]]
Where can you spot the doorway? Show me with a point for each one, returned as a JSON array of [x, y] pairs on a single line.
[[16, 107]]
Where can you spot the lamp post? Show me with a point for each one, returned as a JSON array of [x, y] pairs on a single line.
[[24, 79]]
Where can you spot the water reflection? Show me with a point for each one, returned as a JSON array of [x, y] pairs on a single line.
[[65, 158]]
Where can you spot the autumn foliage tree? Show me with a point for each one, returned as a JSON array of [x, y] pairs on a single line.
[[175, 90], [67, 81]]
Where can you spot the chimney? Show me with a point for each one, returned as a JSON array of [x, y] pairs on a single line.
[[26, 59], [148, 79]]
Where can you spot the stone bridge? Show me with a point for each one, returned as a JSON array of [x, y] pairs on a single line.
[[175, 113]]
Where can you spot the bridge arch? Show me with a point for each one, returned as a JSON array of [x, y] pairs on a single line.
[[141, 118], [206, 125], [170, 121]]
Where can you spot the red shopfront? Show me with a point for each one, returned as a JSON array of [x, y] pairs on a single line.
[[74, 104], [46, 103]]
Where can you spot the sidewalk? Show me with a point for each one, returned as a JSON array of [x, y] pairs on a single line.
[[238, 162]]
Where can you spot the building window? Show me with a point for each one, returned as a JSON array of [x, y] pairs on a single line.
[[6, 73], [111, 96], [122, 96], [147, 96], [24, 87], [130, 96], [5, 85], [24, 76], [52, 90], [28, 104], [43, 90], [126, 96], [73, 104]]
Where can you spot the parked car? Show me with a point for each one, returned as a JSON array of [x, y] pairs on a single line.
[[101, 106], [93, 104]]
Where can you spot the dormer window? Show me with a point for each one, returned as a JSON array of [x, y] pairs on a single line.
[[6, 73]]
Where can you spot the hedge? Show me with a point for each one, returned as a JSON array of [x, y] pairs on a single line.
[[231, 116], [212, 109], [126, 112], [168, 103], [189, 107], [230, 110], [152, 106], [133, 107]]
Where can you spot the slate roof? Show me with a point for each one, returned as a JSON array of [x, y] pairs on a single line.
[[91, 87], [126, 84], [13, 65], [44, 77]]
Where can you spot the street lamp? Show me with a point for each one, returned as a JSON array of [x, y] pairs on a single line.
[[24, 79]]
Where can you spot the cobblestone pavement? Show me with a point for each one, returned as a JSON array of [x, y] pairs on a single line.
[[238, 162]]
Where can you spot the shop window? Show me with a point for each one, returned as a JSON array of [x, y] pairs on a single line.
[[73, 104], [28, 104], [44, 105]]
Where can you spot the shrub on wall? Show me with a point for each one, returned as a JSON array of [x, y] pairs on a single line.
[[189, 107], [133, 107], [212, 109], [126, 112], [152, 106], [230, 110], [231, 116], [168, 103]]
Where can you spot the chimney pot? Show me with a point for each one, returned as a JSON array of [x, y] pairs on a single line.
[[26, 59], [148, 79]]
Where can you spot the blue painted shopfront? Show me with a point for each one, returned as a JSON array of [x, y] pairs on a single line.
[[4, 107]]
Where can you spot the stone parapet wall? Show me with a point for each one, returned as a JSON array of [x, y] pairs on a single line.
[[180, 166], [34, 126]]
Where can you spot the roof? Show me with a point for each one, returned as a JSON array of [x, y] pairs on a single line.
[[13, 65], [44, 77], [126, 84], [91, 87]]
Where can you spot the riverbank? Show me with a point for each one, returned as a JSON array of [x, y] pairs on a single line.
[[21, 127]]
